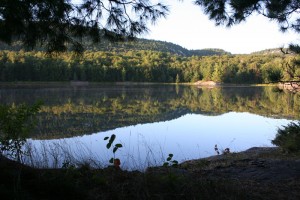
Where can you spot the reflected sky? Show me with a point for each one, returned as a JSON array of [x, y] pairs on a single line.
[[191, 136]]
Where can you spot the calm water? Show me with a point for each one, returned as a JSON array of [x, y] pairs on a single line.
[[150, 121]]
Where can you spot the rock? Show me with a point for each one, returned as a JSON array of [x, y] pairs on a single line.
[[259, 164], [206, 83], [293, 86]]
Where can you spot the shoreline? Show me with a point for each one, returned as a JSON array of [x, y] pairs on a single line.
[[129, 83], [257, 173], [253, 152]]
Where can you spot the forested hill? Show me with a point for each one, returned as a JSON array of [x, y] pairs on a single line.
[[209, 52], [154, 45], [137, 44], [274, 51]]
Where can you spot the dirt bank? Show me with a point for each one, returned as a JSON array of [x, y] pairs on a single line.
[[260, 171]]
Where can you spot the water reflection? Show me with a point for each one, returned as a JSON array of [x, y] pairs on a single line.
[[150, 121], [70, 111], [191, 136]]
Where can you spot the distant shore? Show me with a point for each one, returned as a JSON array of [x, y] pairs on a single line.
[[89, 83]]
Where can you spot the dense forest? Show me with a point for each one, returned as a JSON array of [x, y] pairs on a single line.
[[142, 66]]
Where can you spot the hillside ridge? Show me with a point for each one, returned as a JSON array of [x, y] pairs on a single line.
[[134, 45], [141, 44]]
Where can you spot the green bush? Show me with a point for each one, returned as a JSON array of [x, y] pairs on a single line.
[[288, 138], [16, 122]]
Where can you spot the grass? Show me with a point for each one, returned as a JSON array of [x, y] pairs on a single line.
[[187, 181], [109, 183], [264, 153]]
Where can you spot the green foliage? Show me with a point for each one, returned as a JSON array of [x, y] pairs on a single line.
[[177, 78], [170, 162], [137, 44], [145, 66], [288, 138], [16, 122], [208, 52], [275, 75], [111, 140], [60, 25]]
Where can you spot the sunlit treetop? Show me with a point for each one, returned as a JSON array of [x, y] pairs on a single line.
[[60, 24]]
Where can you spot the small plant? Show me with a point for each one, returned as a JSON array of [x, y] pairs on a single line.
[[115, 161], [224, 152], [288, 138], [170, 162], [217, 149], [68, 165]]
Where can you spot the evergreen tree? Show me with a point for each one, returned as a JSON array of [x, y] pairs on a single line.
[[59, 24], [177, 78]]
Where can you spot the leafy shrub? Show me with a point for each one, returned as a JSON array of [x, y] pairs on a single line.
[[170, 161], [16, 122], [288, 138]]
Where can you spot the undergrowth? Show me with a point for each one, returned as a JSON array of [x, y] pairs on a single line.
[[109, 183], [288, 137]]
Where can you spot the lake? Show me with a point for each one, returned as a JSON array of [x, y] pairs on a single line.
[[150, 121]]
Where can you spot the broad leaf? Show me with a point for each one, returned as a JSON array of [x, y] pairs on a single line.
[[108, 145], [112, 138], [115, 149], [119, 145]]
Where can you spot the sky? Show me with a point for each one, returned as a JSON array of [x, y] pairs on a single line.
[[187, 26]]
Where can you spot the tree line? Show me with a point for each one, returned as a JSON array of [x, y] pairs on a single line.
[[144, 66]]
